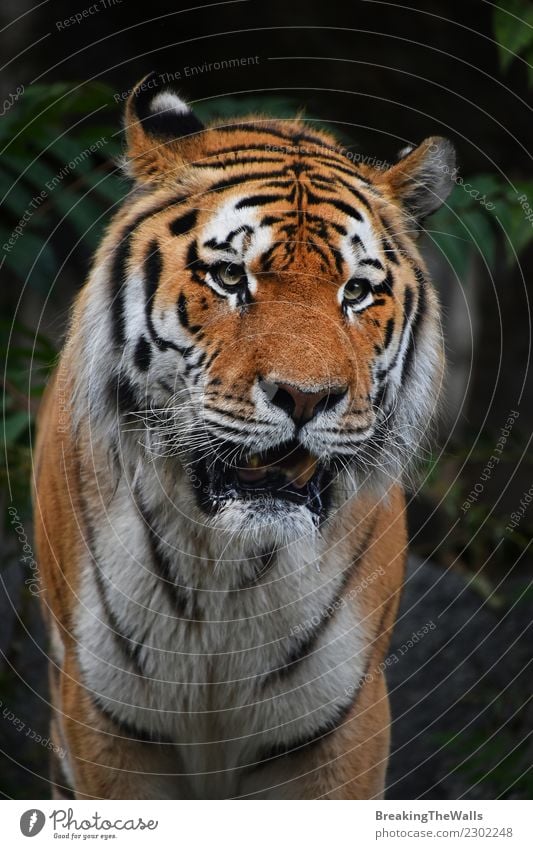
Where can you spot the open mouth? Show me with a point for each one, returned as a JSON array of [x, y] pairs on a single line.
[[288, 472]]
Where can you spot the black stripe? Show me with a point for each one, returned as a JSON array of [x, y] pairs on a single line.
[[192, 256], [361, 198], [389, 330], [129, 647], [259, 200], [220, 246], [256, 128], [212, 357], [407, 310], [333, 224], [181, 225], [266, 562], [238, 160], [389, 250], [267, 257], [385, 287], [133, 732], [413, 336], [119, 265], [346, 208], [143, 354], [239, 179], [303, 648], [308, 137], [183, 315], [226, 429], [234, 151], [268, 220], [123, 395], [336, 165], [321, 178], [375, 263], [315, 248], [179, 600], [302, 744], [232, 415], [201, 359], [408, 303], [153, 266], [246, 228]]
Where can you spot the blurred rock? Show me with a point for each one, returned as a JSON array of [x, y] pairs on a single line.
[[459, 695]]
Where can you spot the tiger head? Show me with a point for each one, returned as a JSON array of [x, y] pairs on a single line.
[[274, 330]]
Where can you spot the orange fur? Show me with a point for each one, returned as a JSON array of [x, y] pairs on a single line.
[[293, 331]]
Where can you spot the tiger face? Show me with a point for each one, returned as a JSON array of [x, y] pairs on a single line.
[[274, 327]]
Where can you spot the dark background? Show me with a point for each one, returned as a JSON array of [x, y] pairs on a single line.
[[380, 75]]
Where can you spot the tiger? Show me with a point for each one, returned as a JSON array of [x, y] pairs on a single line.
[[222, 455]]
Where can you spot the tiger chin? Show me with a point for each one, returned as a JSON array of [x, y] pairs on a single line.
[[250, 371]]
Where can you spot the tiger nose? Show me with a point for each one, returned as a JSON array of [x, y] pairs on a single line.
[[300, 404]]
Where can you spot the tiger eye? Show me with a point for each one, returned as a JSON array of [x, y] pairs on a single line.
[[355, 290], [231, 275]]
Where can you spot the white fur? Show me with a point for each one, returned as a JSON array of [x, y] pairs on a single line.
[[202, 682], [168, 102]]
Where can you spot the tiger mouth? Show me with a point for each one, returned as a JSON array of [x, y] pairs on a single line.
[[288, 472]]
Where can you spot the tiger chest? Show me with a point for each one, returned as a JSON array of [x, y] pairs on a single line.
[[248, 657]]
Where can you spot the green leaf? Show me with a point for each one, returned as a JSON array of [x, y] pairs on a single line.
[[456, 251], [517, 230], [228, 107], [13, 426], [513, 29], [15, 196], [32, 261], [481, 231]]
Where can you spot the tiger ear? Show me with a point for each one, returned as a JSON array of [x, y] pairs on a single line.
[[157, 123], [423, 178]]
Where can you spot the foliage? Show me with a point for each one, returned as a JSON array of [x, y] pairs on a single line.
[[482, 218], [57, 186], [513, 30], [60, 183], [481, 544], [495, 753], [50, 174]]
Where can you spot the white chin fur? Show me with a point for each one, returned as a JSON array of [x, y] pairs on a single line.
[[269, 524]]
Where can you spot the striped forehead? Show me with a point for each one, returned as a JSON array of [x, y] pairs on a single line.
[[234, 232], [241, 230]]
